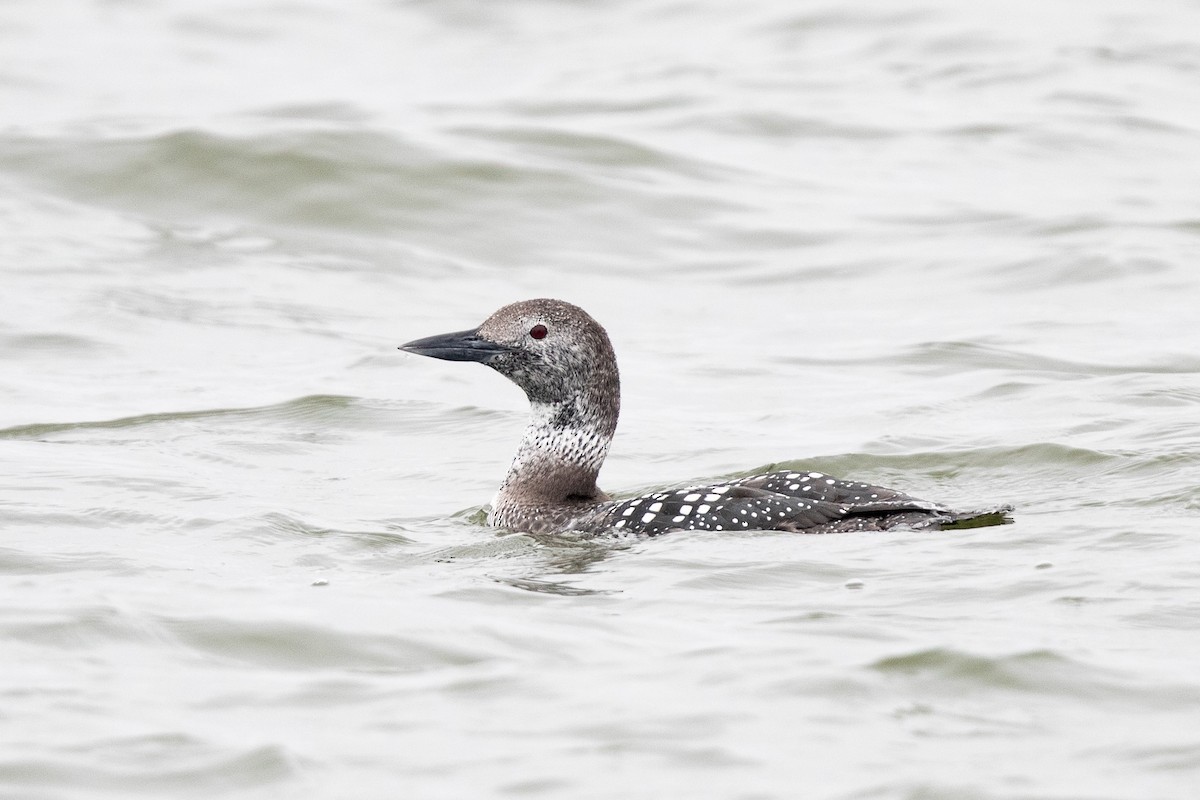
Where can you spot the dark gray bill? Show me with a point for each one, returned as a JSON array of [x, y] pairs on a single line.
[[460, 346]]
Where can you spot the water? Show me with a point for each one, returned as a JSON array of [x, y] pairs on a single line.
[[941, 246]]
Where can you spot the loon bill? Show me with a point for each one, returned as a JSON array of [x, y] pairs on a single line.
[[564, 361]]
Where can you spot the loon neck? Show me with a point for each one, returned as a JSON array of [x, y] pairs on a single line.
[[560, 454]]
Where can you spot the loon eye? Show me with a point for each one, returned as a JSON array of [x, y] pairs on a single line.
[[538, 331]]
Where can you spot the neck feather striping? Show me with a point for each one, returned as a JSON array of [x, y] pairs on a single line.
[[559, 456]]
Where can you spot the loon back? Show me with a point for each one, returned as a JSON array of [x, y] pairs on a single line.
[[564, 361]]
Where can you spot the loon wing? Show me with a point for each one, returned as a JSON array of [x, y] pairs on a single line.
[[723, 507], [870, 507], [819, 486], [809, 502]]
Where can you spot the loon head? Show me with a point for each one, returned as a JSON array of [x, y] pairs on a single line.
[[564, 362], [553, 350]]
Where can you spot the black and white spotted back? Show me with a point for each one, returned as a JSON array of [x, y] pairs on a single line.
[[809, 502]]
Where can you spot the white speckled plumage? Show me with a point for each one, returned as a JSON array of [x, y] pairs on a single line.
[[563, 360]]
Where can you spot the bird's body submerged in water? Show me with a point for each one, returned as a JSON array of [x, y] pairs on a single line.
[[564, 362]]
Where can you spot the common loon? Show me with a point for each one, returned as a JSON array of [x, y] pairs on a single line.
[[563, 360]]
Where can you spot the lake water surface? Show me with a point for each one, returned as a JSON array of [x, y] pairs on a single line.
[[948, 247]]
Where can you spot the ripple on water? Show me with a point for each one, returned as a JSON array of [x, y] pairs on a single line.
[[297, 646], [949, 673], [326, 409], [78, 628], [173, 763], [19, 562], [377, 183], [952, 357], [42, 345]]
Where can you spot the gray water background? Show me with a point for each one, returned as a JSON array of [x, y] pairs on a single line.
[[949, 247]]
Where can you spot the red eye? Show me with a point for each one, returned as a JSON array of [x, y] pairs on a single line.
[[538, 331]]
